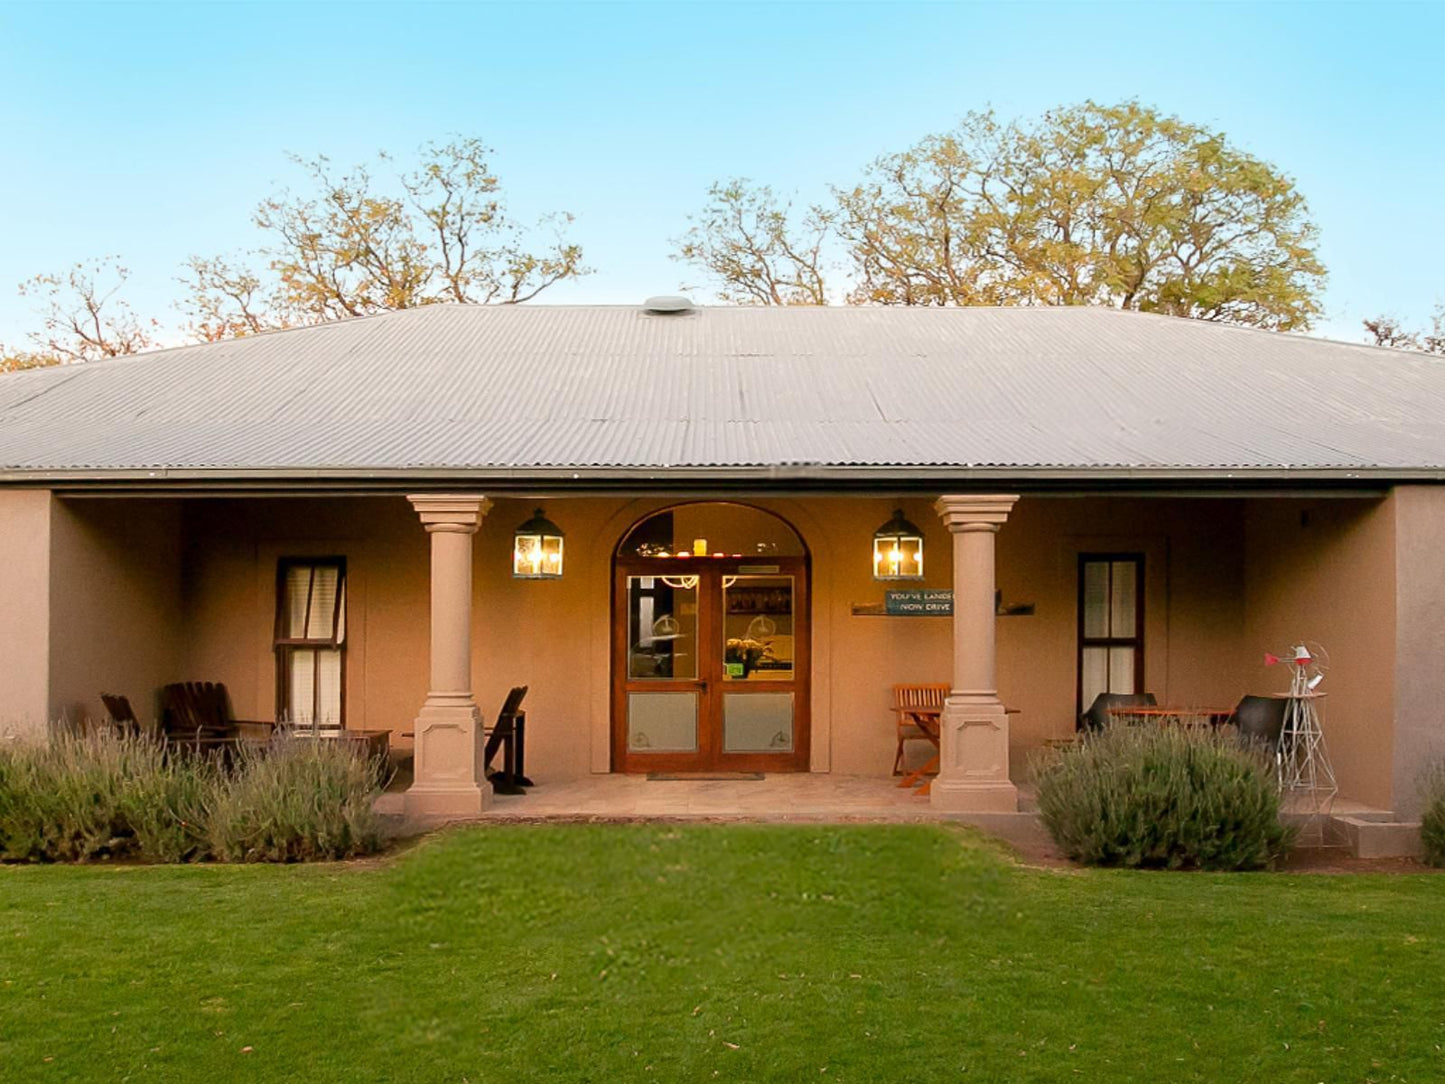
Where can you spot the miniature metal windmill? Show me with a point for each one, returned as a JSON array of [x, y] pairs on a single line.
[[1306, 777]]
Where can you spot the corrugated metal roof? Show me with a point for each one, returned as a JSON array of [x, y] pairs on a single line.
[[518, 388]]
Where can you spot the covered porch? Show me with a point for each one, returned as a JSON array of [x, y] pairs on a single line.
[[140, 590]]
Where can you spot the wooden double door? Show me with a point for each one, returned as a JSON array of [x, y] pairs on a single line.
[[710, 664]]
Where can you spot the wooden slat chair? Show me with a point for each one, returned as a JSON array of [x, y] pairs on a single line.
[[119, 715], [198, 713], [906, 697], [508, 734]]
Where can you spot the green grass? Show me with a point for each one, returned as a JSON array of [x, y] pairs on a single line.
[[740, 953]]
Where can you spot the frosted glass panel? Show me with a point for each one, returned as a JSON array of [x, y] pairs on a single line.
[[1095, 665], [1096, 599], [758, 722], [662, 722]]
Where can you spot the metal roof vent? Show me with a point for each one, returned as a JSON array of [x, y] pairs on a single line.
[[667, 305]]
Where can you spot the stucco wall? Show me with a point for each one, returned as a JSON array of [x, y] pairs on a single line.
[[1217, 593], [24, 611], [1324, 571], [1419, 736], [116, 613], [1193, 603], [230, 587]]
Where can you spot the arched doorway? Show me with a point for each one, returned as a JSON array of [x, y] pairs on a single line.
[[710, 637]]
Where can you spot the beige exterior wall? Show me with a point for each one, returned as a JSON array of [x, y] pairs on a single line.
[[126, 595], [232, 547], [24, 611], [555, 636], [1419, 671], [1324, 571], [1193, 603], [116, 606]]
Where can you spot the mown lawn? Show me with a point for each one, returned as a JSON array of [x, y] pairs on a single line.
[[741, 953]]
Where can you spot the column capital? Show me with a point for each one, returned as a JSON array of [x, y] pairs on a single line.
[[458, 513], [974, 512]]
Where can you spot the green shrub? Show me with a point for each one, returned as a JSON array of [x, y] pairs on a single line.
[[1432, 819], [1163, 798], [298, 799], [99, 797], [165, 808], [61, 802]]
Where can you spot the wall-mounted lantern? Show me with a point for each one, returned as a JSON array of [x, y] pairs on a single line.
[[537, 549], [898, 550]]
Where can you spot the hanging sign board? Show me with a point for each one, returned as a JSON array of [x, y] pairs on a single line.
[[925, 602]]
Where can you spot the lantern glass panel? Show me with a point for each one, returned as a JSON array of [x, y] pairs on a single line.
[[897, 557], [537, 556]]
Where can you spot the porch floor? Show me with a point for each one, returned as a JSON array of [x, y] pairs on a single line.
[[801, 796]]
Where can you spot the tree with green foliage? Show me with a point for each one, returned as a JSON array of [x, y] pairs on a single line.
[[1087, 205], [353, 244]]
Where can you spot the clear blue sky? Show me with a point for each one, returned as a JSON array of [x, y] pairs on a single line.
[[152, 131]]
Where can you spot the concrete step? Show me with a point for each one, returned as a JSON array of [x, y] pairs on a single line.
[[1368, 837]]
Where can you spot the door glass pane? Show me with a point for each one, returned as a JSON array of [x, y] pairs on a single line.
[[758, 628], [662, 722], [1094, 662], [1121, 669], [662, 628], [758, 722], [1096, 599], [1122, 598]]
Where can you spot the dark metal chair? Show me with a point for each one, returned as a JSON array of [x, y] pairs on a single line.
[[1097, 717], [1260, 720], [509, 734]]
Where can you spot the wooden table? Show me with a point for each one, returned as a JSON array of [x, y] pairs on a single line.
[[928, 720], [1164, 715], [375, 743]]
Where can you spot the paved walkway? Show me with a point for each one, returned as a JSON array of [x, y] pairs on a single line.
[[800, 796], [785, 798]]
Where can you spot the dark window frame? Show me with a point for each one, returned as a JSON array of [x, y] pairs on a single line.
[[1135, 641], [286, 646]]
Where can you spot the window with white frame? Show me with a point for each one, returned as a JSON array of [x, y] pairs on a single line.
[[1111, 625], [311, 641]]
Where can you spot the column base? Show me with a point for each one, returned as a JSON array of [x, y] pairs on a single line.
[[973, 757], [952, 797], [449, 769]]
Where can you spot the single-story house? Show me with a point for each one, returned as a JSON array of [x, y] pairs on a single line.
[[714, 538]]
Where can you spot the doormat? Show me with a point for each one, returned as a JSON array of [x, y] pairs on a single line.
[[673, 777]]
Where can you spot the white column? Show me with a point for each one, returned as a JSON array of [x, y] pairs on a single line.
[[973, 758], [449, 779]]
